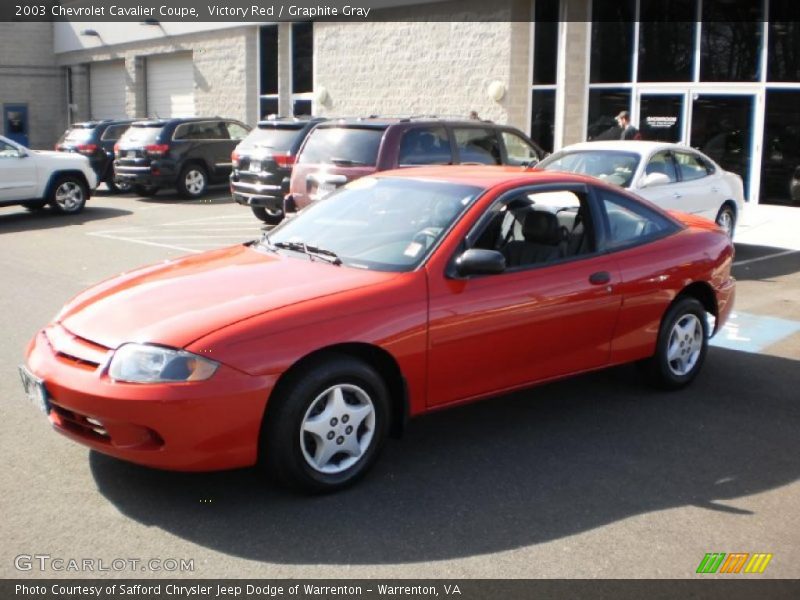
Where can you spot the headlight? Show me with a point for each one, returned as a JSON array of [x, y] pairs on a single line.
[[142, 363]]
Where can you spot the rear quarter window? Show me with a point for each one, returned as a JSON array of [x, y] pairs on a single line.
[[271, 137], [343, 146], [138, 135]]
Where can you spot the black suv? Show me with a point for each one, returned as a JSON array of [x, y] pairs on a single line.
[[262, 164], [187, 154], [341, 150], [95, 140]]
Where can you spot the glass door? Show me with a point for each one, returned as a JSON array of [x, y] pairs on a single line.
[[722, 128], [662, 116]]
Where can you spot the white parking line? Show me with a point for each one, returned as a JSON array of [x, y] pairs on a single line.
[[767, 257]]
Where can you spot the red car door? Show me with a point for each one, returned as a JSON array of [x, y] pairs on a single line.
[[531, 323]]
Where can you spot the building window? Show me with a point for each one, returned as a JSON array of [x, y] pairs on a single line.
[[784, 42], [543, 118], [268, 71], [604, 105], [780, 163], [612, 40], [666, 40], [730, 49], [302, 67], [545, 42]]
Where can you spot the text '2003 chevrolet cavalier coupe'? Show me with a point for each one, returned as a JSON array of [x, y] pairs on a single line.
[[401, 293]]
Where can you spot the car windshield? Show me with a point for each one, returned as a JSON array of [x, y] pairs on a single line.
[[383, 224], [342, 146], [272, 137], [140, 135], [609, 165]]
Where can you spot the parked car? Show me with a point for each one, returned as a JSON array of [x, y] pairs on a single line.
[[36, 178], [671, 175], [187, 154], [262, 164], [339, 151], [400, 294], [96, 140]]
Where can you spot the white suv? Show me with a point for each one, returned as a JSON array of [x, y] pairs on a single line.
[[35, 178]]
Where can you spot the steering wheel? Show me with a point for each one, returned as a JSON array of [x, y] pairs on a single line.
[[426, 237]]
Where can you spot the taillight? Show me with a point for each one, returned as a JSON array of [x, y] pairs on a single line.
[[235, 158], [86, 149], [284, 160], [116, 148], [157, 149]]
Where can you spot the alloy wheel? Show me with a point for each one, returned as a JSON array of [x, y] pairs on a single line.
[[685, 344], [69, 196]]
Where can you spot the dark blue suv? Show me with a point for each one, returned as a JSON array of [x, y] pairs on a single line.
[[96, 140]]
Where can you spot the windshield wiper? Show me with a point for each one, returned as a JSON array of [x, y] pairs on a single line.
[[312, 251], [346, 162]]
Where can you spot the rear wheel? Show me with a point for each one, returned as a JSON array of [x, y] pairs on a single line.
[[148, 191], [193, 181], [68, 195], [726, 219], [269, 216], [681, 346], [326, 427]]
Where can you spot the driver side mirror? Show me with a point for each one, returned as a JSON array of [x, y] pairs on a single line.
[[477, 261], [654, 179]]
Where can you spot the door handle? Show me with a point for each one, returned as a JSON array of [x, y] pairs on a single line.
[[600, 278]]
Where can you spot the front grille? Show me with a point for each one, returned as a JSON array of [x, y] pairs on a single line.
[[74, 349], [79, 424]]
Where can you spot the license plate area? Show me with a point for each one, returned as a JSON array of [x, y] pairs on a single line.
[[255, 166], [34, 389]]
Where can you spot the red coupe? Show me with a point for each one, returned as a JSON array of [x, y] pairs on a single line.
[[400, 294]]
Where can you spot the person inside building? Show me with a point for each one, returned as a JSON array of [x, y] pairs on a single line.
[[628, 131]]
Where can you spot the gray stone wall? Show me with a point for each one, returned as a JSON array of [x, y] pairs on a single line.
[[29, 75], [430, 67], [225, 70], [576, 80]]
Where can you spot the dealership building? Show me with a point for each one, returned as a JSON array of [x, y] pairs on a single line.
[[719, 75]]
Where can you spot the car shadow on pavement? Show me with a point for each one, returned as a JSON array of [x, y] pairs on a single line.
[[767, 262], [215, 195], [48, 219], [506, 473]]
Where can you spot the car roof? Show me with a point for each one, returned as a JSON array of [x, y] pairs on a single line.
[[178, 120], [638, 146], [95, 123], [382, 122], [486, 176]]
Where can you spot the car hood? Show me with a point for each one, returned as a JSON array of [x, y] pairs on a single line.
[[177, 302], [64, 157]]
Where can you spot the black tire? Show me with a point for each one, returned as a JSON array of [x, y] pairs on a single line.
[[193, 181], [727, 214], [679, 356], [68, 195], [267, 217], [118, 187], [288, 455], [148, 191]]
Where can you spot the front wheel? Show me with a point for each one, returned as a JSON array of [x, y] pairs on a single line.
[[68, 195], [726, 219], [326, 427], [268, 216], [681, 346]]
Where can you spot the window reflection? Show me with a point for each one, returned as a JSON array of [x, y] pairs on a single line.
[[543, 118], [666, 40], [730, 40], [780, 164], [604, 105], [784, 41], [612, 41]]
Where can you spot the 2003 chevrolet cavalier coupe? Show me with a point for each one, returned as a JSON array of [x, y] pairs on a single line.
[[400, 294]]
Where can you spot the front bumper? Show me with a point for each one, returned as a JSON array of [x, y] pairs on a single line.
[[197, 426]]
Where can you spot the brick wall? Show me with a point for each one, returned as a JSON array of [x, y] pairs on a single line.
[[29, 75]]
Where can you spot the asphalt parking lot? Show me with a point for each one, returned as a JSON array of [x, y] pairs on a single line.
[[597, 476]]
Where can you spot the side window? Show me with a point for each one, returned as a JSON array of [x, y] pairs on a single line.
[[425, 146], [476, 145], [518, 151], [538, 227], [236, 131], [690, 166], [8, 151], [114, 132], [184, 132], [629, 222], [661, 162]]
